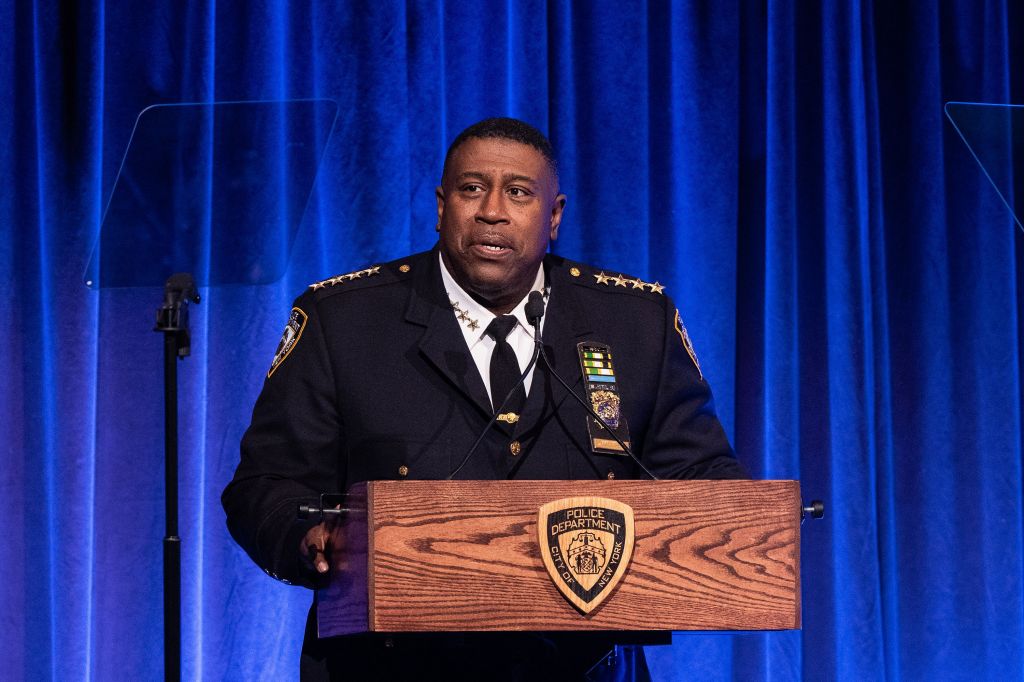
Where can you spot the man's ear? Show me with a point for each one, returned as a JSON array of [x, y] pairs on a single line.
[[439, 194], [556, 215]]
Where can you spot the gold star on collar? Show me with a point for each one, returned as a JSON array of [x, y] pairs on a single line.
[[619, 280], [602, 278], [637, 284], [656, 288], [463, 316]]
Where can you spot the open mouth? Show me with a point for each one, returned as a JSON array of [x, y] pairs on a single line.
[[489, 246]]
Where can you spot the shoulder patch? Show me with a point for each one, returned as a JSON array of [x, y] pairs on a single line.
[[687, 343], [292, 334], [347, 277]]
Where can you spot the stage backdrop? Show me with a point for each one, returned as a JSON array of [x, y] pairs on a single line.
[[851, 283]]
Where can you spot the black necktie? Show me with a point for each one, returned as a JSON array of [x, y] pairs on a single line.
[[505, 371]]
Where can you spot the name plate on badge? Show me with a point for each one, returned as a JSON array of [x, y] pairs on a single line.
[[586, 544]]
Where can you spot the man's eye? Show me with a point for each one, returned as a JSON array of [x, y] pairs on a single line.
[[518, 192], [472, 188]]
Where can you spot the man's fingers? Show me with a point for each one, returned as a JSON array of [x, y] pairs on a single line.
[[314, 548], [317, 557]]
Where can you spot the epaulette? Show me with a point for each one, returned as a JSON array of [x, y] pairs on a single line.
[[347, 277], [382, 273], [598, 279], [624, 284]]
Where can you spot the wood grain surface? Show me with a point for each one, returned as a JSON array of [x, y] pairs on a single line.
[[464, 556]]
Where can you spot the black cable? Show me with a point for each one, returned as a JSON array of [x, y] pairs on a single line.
[[534, 313], [508, 396], [596, 416]]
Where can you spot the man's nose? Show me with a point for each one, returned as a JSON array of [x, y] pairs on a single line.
[[493, 209]]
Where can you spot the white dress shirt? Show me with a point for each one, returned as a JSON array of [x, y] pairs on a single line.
[[467, 312]]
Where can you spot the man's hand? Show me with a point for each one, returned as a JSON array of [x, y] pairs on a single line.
[[320, 544]]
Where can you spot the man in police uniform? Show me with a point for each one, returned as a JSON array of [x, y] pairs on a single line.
[[394, 370]]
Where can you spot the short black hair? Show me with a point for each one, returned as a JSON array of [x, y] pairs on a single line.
[[506, 129]]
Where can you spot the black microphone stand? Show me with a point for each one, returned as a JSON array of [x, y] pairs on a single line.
[[172, 322]]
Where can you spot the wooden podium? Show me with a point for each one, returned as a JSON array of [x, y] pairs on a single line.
[[435, 556]]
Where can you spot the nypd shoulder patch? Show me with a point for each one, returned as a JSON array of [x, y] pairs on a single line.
[[687, 343], [292, 334]]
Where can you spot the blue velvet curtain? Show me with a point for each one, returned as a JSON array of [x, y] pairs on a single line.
[[851, 282]]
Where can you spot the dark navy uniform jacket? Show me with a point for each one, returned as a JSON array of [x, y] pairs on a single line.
[[377, 383]]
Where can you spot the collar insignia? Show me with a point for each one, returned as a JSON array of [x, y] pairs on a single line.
[[464, 317]]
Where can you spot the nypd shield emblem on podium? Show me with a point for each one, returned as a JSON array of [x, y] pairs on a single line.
[[586, 544]]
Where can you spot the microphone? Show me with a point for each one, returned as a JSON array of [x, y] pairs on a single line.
[[534, 312]]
